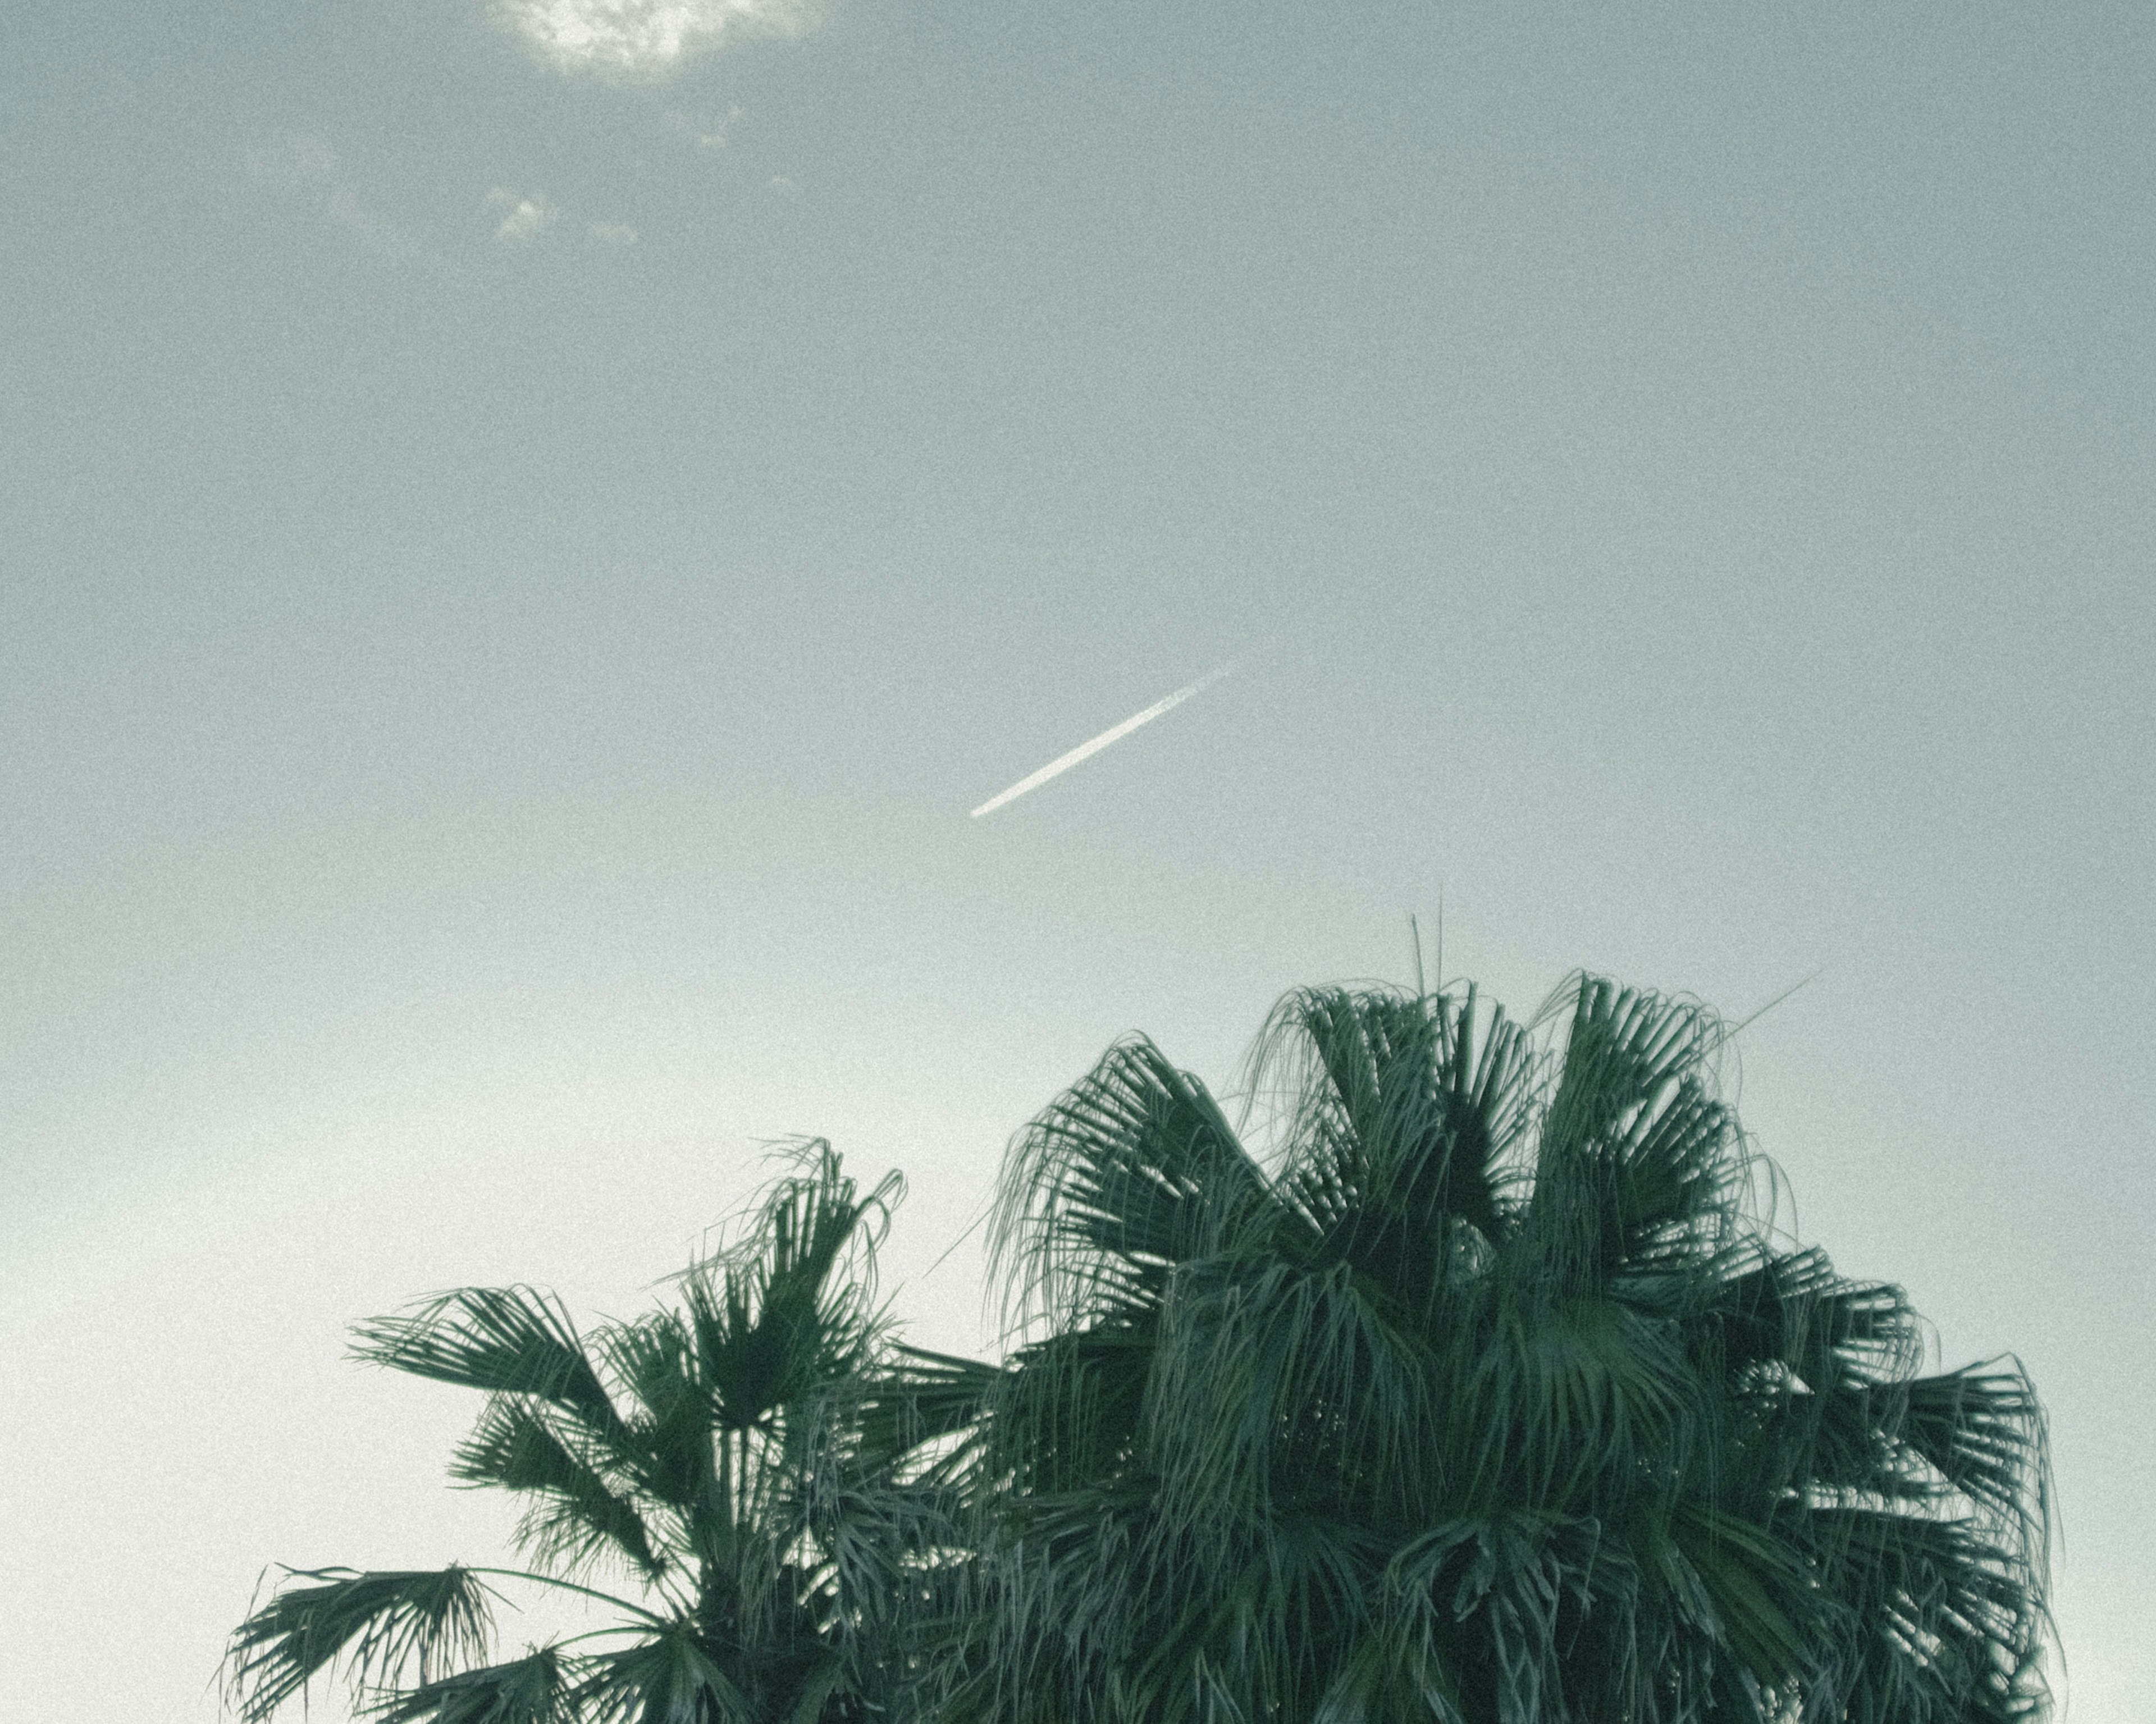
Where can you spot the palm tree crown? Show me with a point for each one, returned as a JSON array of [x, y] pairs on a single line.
[[1491, 1397], [706, 1454]]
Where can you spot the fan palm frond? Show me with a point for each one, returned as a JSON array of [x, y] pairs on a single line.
[[671, 1677], [510, 1341], [516, 1447], [536, 1689], [380, 1626], [1116, 1181]]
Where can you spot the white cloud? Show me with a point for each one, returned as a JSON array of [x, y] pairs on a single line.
[[612, 232], [524, 217], [644, 37]]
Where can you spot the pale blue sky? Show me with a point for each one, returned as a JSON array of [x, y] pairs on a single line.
[[512, 573]]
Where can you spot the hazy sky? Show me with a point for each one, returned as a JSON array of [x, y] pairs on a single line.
[[524, 532]]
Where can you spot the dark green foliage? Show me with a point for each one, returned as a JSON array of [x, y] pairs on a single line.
[[1487, 1394], [1489, 1398], [533, 1689], [709, 1455], [375, 1625]]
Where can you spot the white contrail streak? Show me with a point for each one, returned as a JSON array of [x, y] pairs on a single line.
[[1063, 763]]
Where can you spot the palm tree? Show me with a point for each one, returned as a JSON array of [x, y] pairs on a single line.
[[705, 1456], [1491, 1396]]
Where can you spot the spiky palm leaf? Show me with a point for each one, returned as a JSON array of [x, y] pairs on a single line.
[[709, 1456], [1491, 1397]]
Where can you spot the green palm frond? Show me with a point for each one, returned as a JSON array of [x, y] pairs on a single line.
[[516, 1447], [1394, 1114], [1753, 1584], [1279, 1377], [1637, 1165], [1391, 1673], [378, 1626], [789, 1305], [1981, 1430], [923, 1398], [1623, 1048], [536, 1689], [664, 1443], [671, 1677], [1115, 1182], [1936, 1621], [1571, 1396], [511, 1340]]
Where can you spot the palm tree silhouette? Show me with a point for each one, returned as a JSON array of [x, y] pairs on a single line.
[[1491, 1397], [708, 1454]]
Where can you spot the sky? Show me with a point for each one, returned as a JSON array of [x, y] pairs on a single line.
[[527, 528]]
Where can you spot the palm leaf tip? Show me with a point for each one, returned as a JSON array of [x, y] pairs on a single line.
[[380, 1627], [504, 1341]]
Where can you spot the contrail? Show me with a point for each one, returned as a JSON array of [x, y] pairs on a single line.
[[1063, 763]]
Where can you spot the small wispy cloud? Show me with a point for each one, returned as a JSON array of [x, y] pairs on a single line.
[[525, 215], [645, 38], [303, 165]]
